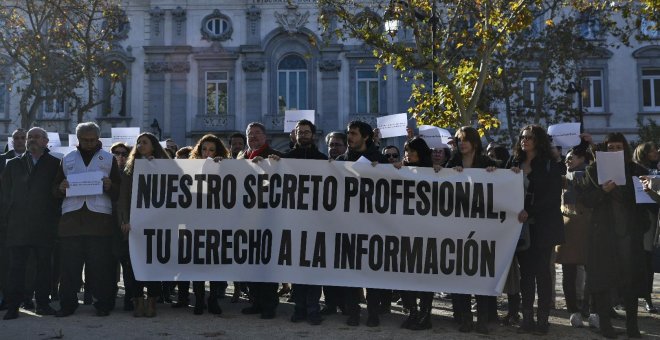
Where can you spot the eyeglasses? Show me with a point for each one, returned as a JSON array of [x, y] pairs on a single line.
[[392, 155], [120, 154], [335, 145], [304, 133], [526, 137]]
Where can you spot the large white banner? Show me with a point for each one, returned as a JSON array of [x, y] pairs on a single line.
[[327, 223]]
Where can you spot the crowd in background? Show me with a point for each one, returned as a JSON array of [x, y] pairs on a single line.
[[597, 232]]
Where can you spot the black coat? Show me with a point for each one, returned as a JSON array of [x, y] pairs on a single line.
[[480, 161], [30, 212], [543, 202], [299, 152], [372, 153], [4, 157], [615, 255]]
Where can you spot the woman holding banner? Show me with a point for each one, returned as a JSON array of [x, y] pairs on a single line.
[[469, 154], [542, 178], [146, 147], [209, 146], [417, 153]]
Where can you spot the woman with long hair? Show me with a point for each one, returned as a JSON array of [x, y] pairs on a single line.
[[542, 180], [146, 147], [417, 153], [469, 154], [209, 146]]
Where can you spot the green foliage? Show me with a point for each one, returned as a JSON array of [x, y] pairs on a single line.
[[57, 47], [649, 132]]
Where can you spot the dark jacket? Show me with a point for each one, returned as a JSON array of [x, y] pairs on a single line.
[[4, 157], [29, 209], [543, 202], [480, 162], [615, 252], [372, 153], [300, 152]]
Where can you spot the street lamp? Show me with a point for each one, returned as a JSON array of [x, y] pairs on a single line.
[[574, 88]]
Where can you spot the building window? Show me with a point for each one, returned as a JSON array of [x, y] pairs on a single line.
[[53, 107], [592, 91], [651, 89], [529, 89], [216, 93], [292, 84], [367, 91], [216, 27]]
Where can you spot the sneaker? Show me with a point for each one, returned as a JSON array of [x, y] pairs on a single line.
[[594, 321], [576, 320]]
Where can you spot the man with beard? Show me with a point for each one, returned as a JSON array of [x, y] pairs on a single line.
[[237, 143], [336, 142], [30, 213], [264, 294], [305, 296], [360, 144]]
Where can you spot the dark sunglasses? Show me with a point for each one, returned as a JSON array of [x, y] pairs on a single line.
[[392, 155], [122, 154]]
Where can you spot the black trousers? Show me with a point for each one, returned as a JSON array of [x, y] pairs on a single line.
[[264, 295], [333, 297], [307, 299], [374, 297], [410, 297], [16, 285], [199, 289], [568, 283], [464, 306], [95, 252], [535, 274]]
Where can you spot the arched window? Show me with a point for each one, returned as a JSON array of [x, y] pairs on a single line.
[[292, 84]]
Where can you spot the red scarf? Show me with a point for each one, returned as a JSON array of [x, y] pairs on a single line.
[[254, 153]]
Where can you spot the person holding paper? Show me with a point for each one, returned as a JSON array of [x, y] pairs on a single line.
[[209, 146], [469, 154], [87, 225], [29, 214], [416, 153], [532, 155], [360, 144], [146, 147], [615, 248]]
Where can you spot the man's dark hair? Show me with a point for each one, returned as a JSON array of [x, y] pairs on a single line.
[[307, 123], [335, 134], [257, 125], [364, 128], [237, 135]]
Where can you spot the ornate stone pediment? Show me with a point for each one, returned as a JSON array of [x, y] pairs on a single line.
[[166, 67], [293, 20], [330, 65], [253, 65]]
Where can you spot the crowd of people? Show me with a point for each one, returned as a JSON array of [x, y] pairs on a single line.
[[596, 231]]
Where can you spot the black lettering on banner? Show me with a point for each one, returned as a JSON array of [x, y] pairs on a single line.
[[185, 199], [149, 233], [200, 178], [478, 204], [408, 196], [350, 190], [171, 190], [158, 196], [382, 196], [462, 199], [212, 244], [226, 245], [185, 246], [275, 197], [262, 188], [198, 245], [143, 192], [229, 191], [319, 251], [391, 253], [329, 193], [316, 183], [487, 259], [284, 257], [396, 195], [266, 246], [459, 256], [366, 195], [411, 254], [423, 206], [347, 250], [289, 192], [447, 247], [337, 250], [249, 199], [446, 202], [471, 256], [240, 254], [361, 250], [375, 252], [254, 245], [431, 259], [213, 191], [489, 192], [163, 252], [303, 248], [302, 190]]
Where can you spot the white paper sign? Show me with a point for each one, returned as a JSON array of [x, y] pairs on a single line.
[[127, 135], [393, 125], [565, 134], [434, 137], [610, 166], [54, 139], [640, 195], [10, 143], [292, 117], [60, 151], [163, 144], [107, 143], [85, 183], [73, 139]]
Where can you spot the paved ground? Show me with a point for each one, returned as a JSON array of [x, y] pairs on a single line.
[[182, 324]]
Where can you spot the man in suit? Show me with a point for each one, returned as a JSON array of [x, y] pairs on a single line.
[[18, 138], [30, 213]]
